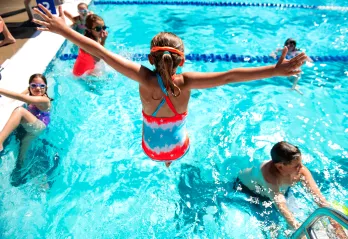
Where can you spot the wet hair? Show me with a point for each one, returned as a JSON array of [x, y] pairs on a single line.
[[31, 79], [81, 4], [167, 63], [284, 152], [92, 18], [289, 41]]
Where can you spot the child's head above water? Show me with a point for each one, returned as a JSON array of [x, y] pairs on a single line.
[[82, 9], [286, 158], [167, 53], [38, 85], [94, 26], [290, 44]]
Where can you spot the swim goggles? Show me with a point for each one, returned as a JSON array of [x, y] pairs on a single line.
[[170, 49], [99, 28], [34, 85], [83, 11]]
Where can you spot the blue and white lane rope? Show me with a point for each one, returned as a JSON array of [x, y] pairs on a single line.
[[225, 57], [220, 4]]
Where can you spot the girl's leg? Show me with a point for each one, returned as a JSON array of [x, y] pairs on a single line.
[[25, 143], [19, 115], [295, 80], [9, 39], [33, 131]]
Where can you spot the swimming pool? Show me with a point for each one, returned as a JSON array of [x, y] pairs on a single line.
[[105, 187]]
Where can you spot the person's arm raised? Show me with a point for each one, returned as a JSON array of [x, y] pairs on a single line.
[[70, 16], [57, 25], [198, 80], [25, 98]]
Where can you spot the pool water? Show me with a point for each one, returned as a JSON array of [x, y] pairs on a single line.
[[104, 185]]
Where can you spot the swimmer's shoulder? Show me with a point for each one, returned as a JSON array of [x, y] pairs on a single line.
[[268, 176]]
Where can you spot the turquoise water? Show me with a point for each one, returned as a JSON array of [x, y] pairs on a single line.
[[105, 187]]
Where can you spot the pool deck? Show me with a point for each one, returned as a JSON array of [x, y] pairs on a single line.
[[31, 54]]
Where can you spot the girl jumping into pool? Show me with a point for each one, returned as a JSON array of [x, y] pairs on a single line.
[[34, 119], [95, 30], [163, 93]]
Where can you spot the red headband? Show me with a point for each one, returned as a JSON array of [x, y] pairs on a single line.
[[170, 49]]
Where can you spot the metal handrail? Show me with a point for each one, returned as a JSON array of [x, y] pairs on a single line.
[[305, 228]]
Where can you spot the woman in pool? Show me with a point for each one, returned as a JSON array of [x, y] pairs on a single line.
[[79, 22], [34, 119], [95, 30], [164, 94]]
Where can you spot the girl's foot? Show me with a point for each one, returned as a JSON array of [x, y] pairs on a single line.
[[1, 147]]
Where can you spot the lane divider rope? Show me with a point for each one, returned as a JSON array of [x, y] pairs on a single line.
[[225, 57], [220, 4]]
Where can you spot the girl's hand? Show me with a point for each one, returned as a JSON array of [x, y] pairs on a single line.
[[104, 35], [290, 67], [51, 23]]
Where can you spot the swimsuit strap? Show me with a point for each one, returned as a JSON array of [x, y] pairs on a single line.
[[165, 99], [159, 107]]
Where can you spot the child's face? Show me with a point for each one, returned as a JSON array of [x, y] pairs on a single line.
[[291, 47], [97, 28], [291, 169], [37, 87], [83, 10]]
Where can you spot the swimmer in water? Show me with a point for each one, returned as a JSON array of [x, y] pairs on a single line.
[[95, 30], [34, 119], [292, 52], [273, 178]]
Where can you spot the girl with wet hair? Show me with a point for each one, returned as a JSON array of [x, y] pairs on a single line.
[[164, 94], [95, 30], [34, 119]]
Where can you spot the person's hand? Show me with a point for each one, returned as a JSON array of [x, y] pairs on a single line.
[[289, 67], [51, 23], [104, 35]]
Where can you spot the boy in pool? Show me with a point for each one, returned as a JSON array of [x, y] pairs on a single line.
[[290, 43], [274, 177]]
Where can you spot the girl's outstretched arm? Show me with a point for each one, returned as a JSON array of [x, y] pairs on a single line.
[[70, 16], [197, 80], [57, 25], [36, 100]]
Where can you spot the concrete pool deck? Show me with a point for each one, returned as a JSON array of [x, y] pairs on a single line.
[[33, 56]]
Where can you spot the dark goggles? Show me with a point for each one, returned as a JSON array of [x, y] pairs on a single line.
[[99, 28]]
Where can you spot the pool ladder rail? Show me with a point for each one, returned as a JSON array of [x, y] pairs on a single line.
[[307, 226]]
